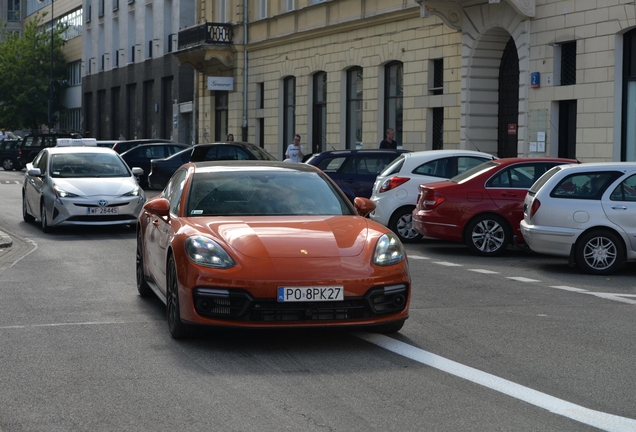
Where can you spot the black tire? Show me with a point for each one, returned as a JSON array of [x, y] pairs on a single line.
[[178, 330], [389, 328], [7, 164], [599, 252], [25, 214], [401, 224], [142, 286], [44, 223], [488, 235]]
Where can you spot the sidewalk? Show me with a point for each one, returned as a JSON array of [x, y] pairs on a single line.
[[5, 240]]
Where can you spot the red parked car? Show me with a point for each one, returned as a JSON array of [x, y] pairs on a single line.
[[481, 207]]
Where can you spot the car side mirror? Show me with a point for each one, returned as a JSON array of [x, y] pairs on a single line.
[[158, 206], [34, 172], [363, 206], [137, 171]]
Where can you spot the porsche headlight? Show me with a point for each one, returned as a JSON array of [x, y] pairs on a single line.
[[388, 250], [61, 193], [206, 252]]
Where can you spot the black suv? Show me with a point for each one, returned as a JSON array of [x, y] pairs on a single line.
[[32, 144], [354, 170], [9, 152]]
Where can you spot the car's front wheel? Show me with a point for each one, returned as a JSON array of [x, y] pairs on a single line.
[[178, 330], [142, 286], [599, 252], [44, 223], [7, 164], [401, 224], [25, 213], [488, 235]]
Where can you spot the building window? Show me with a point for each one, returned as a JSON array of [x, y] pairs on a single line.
[[260, 95], [100, 8], [354, 108], [567, 60], [393, 92], [628, 144], [74, 73], [290, 5], [13, 10], [73, 23], [319, 141], [436, 77], [221, 100], [222, 11], [262, 12], [438, 128], [289, 111], [317, 1], [70, 119]]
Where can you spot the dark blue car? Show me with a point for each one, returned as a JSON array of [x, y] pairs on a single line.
[[141, 156], [354, 170]]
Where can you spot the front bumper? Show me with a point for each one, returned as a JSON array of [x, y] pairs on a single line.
[[76, 211]]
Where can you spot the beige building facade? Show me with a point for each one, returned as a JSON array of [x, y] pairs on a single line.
[[509, 77]]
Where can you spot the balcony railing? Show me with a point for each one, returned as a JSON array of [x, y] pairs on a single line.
[[208, 33]]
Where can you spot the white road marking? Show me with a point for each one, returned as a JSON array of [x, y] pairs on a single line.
[[522, 279], [86, 323], [613, 296], [568, 288], [483, 271], [417, 257], [598, 419], [447, 264]]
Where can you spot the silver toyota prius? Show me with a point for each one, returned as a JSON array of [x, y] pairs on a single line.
[[78, 183]]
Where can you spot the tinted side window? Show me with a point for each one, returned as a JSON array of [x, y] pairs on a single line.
[[520, 176], [625, 191], [331, 164], [31, 141], [589, 185], [442, 168], [174, 190]]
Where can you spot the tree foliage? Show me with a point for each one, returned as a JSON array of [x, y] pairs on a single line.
[[25, 62]]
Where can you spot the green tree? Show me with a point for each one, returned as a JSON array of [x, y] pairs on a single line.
[[25, 62]]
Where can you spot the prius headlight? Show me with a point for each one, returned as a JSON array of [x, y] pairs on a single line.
[[61, 193], [133, 193], [206, 252], [388, 250]]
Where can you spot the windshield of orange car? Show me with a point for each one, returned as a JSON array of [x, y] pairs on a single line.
[[264, 193]]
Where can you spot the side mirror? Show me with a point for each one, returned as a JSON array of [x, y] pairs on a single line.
[[137, 171], [158, 206], [34, 172], [363, 206]]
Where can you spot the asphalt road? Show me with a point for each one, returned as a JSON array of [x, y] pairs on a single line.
[[519, 343]]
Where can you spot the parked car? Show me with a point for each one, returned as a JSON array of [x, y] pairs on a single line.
[[125, 145], [162, 169], [32, 144], [67, 185], [258, 244], [481, 207], [354, 171], [140, 156], [10, 154], [395, 189], [585, 213]]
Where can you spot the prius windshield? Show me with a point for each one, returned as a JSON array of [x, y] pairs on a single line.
[[76, 165]]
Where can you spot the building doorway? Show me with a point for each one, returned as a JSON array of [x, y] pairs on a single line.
[[507, 143]]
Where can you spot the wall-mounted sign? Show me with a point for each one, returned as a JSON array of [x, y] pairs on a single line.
[[221, 83], [512, 129], [535, 80]]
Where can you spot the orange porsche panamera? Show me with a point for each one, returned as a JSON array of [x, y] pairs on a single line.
[[268, 244]]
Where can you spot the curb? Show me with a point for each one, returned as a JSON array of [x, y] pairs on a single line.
[[5, 240]]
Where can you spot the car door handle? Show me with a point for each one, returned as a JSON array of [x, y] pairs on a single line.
[[508, 194], [155, 222], [617, 207]]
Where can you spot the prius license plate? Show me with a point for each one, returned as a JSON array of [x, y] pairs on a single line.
[[312, 294], [103, 210]]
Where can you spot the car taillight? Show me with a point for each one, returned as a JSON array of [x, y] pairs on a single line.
[[430, 199], [535, 206], [392, 183]]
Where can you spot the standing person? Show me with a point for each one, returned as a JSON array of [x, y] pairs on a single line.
[[388, 142], [3, 134], [295, 151], [230, 137]]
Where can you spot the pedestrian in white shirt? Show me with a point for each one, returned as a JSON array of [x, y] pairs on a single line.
[[295, 151]]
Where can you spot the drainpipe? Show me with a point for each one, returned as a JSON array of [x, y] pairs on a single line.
[[244, 126]]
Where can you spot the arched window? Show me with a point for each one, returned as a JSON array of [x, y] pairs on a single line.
[[393, 85], [354, 107], [319, 141], [289, 111]]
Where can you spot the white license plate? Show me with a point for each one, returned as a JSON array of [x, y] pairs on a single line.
[[310, 294], [103, 210]]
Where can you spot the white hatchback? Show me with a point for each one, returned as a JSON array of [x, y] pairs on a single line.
[[395, 189], [584, 212]]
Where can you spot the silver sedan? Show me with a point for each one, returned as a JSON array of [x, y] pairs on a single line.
[[81, 186]]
